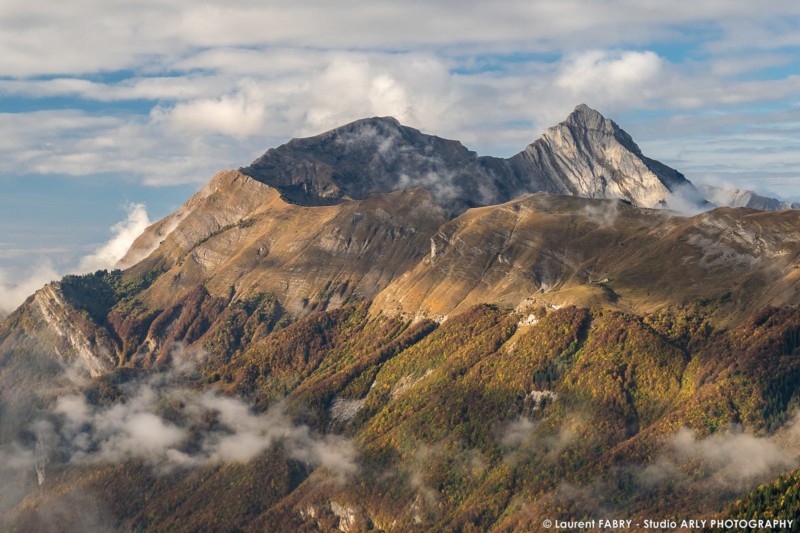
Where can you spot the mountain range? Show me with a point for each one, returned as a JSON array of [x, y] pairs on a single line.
[[587, 155], [378, 329]]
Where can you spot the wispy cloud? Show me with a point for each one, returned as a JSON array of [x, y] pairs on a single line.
[[14, 291], [168, 424], [124, 233], [729, 460]]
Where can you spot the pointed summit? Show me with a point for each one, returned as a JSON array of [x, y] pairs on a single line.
[[591, 156], [585, 155], [583, 114], [584, 118]]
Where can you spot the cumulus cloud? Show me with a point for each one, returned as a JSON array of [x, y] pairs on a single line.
[[414, 88], [239, 114], [124, 233], [611, 77]]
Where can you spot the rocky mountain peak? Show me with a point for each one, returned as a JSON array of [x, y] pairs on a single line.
[[369, 156], [586, 155], [585, 115], [727, 197], [586, 120], [590, 156]]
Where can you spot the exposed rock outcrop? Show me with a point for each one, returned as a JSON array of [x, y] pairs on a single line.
[[78, 338], [586, 155], [590, 156]]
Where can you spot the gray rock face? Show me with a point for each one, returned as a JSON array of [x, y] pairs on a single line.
[[590, 156], [587, 155], [375, 155], [743, 198]]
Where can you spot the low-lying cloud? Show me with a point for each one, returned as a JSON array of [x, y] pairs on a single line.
[[517, 432], [686, 200], [604, 214], [210, 428], [710, 469], [732, 460], [163, 421]]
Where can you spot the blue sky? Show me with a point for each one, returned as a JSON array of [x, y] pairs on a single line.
[[118, 111]]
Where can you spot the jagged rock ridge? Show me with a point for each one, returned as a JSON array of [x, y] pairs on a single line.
[[586, 155], [721, 196]]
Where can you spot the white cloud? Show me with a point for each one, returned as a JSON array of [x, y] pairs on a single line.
[[240, 114], [77, 143], [14, 289], [90, 35], [273, 61], [517, 432], [139, 428], [415, 89], [136, 88], [741, 63], [125, 232], [736, 457], [15, 286], [606, 77], [728, 460]]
